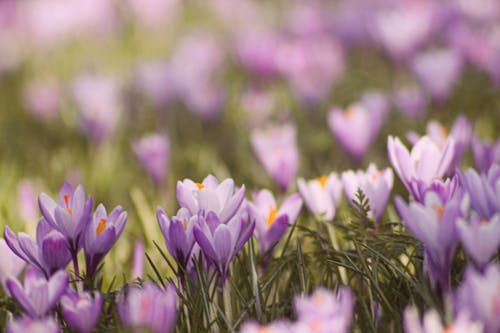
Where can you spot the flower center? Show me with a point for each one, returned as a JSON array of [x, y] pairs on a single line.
[[66, 202], [200, 186], [376, 175], [322, 181], [185, 224], [439, 210], [100, 227], [145, 306], [272, 216]]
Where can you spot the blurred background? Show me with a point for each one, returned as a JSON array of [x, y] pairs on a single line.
[[128, 96]]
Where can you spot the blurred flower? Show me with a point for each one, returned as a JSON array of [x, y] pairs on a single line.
[[154, 13], [258, 103], [27, 202], [48, 254], [38, 296], [148, 307], [357, 127], [376, 186], [70, 216], [324, 311], [221, 242], [444, 189], [81, 311], [98, 102], [480, 237], [138, 260], [411, 101], [272, 223], [483, 190], [10, 264], [426, 161], [210, 196], [42, 99], [178, 234], [485, 153], [479, 10], [273, 327], [101, 234], [153, 151], [322, 194], [432, 323], [433, 223], [156, 82], [277, 150], [30, 325], [479, 295], [438, 71]]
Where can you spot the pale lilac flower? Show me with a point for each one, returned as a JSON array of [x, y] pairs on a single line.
[[480, 237], [155, 82], [149, 307], [271, 221], [432, 323], [485, 153], [81, 311], [153, 151], [443, 188], [38, 296], [30, 325], [411, 101], [375, 184], [438, 71], [322, 194], [27, 202], [10, 264], [277, 150], [357, 127], [138, 260], [280, 326], [483, 190], [210, 196], [154, 13], [480, 296], [42, 99], [426, 161], [258, 104], [479, 10]]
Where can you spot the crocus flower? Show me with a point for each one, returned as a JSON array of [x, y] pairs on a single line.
[[444, 188], [38, 296], [30, 325], [10, 264], [411, 101], [434, 224], [484, 190], [210, 196], [48, 254], [376, 186], [221, 242], [271, 223], [154, 13], [322, 194], [149, 307], [357, 126], [101, 234], [485, 153], [155, 82], [480, 237], [324, 311], [280, 326], [138, 260], [81, 311], [70, 216], [438, 71], [153, 151], [42, 99], [178, 233], [426, 161], [479, 295], [277, 151], [432, 323], [27, 202]]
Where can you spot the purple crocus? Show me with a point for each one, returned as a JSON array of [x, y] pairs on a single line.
[[210, 196], [30, 325], [27, 202], [480, 296], [42, 99], [357, 126], [101, 234], [38, 296], [485, 153], [444, 188], [70, 216], [276, 149], [81, 311], [411, 101], [279, 326], [178, 233], [432, 323], [153, 152], [272, 223], [10, 264], [426, 161], [480, 237], [221, 242], [48, 254], [148, 307], [433, 223], [375, 184], [484, 190], [322, 194]]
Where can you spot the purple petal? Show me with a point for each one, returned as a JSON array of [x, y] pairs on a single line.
[[17, 291], [232, 206]]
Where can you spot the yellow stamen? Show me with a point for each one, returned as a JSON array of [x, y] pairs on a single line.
[[185, 224], [66, 201], [322, 181], [200, 186], [376, 175], [100, 227], [272, 216]]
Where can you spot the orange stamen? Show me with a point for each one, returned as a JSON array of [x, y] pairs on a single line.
[[376, 175], [200, 186], [322, 181], [272, 216], [349, 113], [439, 210], [445, 131], [66, 201], [100, 227], [185, 224]]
